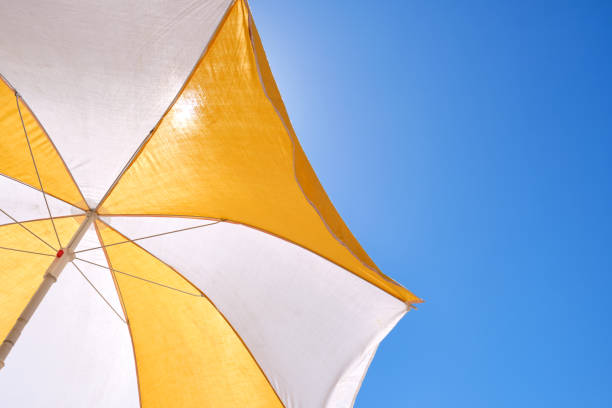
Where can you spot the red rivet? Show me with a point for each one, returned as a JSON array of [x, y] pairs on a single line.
[[60, 253]]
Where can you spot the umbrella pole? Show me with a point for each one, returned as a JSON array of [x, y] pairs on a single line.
[[64, 256]]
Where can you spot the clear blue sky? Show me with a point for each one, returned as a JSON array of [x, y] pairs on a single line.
[[468, 147]]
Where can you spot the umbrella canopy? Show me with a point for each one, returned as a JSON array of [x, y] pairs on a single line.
[[147, 154]]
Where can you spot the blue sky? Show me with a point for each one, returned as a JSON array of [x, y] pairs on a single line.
[[468, 147]]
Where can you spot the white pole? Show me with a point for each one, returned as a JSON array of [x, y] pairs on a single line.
[[64, 256]]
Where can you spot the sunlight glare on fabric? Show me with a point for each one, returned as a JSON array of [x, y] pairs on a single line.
[[183, 112]]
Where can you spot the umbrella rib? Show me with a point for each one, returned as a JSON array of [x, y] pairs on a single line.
[[25, 251], [138, 277], [98, 292], [147, 237], [36, 168], [34, 188], [27, 229]]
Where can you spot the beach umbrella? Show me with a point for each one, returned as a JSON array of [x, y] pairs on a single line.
[[164, 241]]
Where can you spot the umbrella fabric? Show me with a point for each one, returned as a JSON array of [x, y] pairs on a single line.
[[217, 271]]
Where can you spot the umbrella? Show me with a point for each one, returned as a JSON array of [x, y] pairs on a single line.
[[164, 241]]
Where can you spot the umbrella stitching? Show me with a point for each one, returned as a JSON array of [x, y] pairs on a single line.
[[208, 299], [125, 313], [9, 85], [141, 148], [46, 218], [34, 188], [36, 168], [293, 143], [58, 155], [409, 304]]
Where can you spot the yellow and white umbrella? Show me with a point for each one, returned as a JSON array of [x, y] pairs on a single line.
[[145, 151]]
